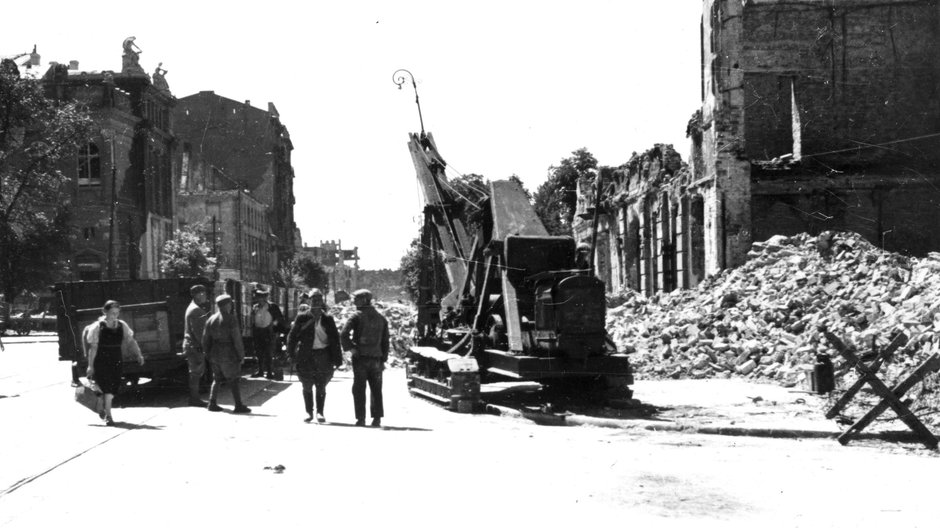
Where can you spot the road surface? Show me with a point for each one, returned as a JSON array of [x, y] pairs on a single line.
[[165, 464]]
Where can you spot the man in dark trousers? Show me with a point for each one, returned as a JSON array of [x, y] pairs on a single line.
[[313, 343], [195, 323], [266, 319], [222, 344], [365, 336]]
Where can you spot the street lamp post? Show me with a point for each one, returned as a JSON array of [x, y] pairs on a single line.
[[399, 79]]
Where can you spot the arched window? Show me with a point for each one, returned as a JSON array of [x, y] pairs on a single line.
[[89, 165]]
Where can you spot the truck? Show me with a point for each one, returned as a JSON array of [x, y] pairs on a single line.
[[519, 308], [155, 309]]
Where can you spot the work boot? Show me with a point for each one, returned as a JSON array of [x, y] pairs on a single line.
[[308, 419], [376, 422], [214, 407], [241, 409], [320, 418], [360, 423]]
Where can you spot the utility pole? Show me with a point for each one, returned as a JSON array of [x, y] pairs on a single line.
[[109, 134]]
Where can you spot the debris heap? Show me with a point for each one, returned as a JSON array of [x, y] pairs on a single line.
[[762, 320], [401, 320]]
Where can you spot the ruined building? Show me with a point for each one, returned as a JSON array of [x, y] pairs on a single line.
[[334, 259], [234, 220], [815, 115], [250, 147], [120, 192]]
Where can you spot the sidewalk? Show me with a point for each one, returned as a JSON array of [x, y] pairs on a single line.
[[718, 407]]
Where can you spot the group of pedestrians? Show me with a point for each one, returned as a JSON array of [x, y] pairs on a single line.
[[213, 341]]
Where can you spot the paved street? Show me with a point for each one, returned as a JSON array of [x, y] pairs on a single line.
[[165, 463]]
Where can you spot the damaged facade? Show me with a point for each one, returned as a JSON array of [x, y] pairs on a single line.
[[331, 255], [120, 192], [815, 116], [235, 222], [250, 147]]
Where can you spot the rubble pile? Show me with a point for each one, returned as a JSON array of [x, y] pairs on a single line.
[[762, 320], [401, 320]]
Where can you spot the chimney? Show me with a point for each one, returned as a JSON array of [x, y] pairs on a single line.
[[34, 57], [247, 102], [73, 65]]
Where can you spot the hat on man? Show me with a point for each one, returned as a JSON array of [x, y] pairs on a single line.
[[261, 293], [366, 294], [223, 299], [198, 288]]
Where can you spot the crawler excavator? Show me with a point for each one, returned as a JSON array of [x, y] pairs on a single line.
[[519, 309]]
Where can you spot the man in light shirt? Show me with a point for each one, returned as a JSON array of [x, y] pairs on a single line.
[[266, 318], [313, 343]]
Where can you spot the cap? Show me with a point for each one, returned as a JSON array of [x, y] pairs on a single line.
[[199, 288], [363, 293], [222, 299], [261, 293]]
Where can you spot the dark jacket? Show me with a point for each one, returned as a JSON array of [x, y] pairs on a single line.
[[367, 332], [222, 339], [300, 337]]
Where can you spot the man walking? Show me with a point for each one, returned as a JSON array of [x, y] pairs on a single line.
[[313, 343], [222, 344], [266, 318], [366, 337], [195, 323]]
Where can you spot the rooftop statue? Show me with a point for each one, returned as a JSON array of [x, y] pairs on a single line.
[[131, 57]]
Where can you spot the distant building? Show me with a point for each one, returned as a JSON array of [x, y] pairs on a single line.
[[249, 146], [131, 160], [235, 222], [331, 255]]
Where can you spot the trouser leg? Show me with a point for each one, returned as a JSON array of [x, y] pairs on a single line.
[[307, 390], [321, 397], [214, 390], [194, 385], [359, 390], [236, 392], [377, 409]]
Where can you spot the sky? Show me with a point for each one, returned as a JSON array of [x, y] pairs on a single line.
[[506, 87]]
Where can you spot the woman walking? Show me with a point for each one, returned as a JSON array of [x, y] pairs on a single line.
[[107, 342], [313, 342]]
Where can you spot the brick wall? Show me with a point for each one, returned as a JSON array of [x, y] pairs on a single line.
[[862, 72]]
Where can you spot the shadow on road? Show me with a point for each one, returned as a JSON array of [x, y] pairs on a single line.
[[129, 426], [383, 428]]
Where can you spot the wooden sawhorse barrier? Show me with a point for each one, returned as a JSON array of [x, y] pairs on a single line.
[[889, 397]]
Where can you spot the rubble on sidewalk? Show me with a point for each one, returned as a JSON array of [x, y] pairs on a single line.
[[761, 321], [401, 321]]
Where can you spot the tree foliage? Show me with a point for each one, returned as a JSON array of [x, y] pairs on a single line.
[[413, 262], [311, 273], [188, 254], [556, 199], [31, 258], [37, 135]]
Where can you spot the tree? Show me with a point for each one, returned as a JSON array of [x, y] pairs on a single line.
[[188, 254], [31, 258], [413, 262], [311, 273], [556, 199], [37, 134]]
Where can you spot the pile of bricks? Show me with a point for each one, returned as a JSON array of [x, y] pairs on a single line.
[[761, 321], [401, 321]]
